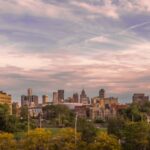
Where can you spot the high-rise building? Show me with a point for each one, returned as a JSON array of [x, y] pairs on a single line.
[[31, 100], [6, 99], [60, 96], [75, 98], [29, 92], [55, 97], [102, 94], [83, 97], [45, 99]]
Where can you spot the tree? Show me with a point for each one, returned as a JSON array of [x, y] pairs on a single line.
[[38, 139], [24, 113], [7, 142], [59, 115], [4, 113], [136, 136], [116, 126], [65, 140], [103, 141], [87, 130]]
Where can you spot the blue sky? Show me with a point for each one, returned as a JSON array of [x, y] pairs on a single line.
[[71, 44]]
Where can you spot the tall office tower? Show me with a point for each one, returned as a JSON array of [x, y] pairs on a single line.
[[83, 94], [75, 98], [6, 99], [44, 99], [29, 92], [29, 99], [55, 97], [102, 94], [83, 97], [60, 96]]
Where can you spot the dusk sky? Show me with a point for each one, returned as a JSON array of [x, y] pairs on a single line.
[[74, 44]]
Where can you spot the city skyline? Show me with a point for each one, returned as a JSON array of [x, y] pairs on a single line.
[[74, 44]]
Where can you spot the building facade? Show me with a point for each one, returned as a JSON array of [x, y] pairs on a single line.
[[45, 99], [61, 96], [6, 99], [84, 99], [55, 97], [103, 107], [140, 98]]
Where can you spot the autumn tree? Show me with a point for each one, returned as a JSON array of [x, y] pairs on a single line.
[[38, 139], [7, 142], [103, 141]]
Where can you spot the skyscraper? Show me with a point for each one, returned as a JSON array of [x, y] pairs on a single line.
[[44, 99], [29, 99], [75, 98], [60, 96], [83, 97], [102, 94], [55, 97]]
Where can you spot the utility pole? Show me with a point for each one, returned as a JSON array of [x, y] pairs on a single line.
[[76, 120], [40, 120], [28, 115]]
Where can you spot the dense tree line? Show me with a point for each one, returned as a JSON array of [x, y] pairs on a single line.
[[64, 139]]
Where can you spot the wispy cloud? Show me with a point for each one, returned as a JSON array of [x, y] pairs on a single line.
[[108, 10], [33, 7]]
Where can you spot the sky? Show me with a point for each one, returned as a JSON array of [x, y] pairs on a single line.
[[73, 44]]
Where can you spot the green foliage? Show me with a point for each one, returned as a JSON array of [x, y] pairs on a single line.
[[59, 115], [87, 129], [136, 136], [116, 126], [24, 113]]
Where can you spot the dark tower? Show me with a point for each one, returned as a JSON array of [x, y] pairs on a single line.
[[75, 97], [60, 96], [102, 93]]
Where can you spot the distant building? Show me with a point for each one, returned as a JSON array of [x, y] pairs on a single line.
[[45, 99], [60, 96], [103, 107], [75, 98], [83, 97], [31, 100], [15, 109], [55, 97], [34, 111], [6, 99], [102, 94], [140, 98], [81, 111]]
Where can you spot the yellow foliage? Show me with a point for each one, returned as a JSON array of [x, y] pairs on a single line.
[[7, 142], [37, 139]]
